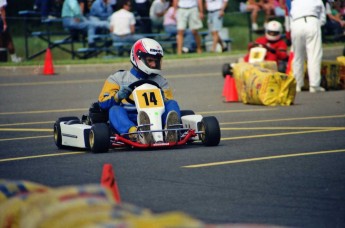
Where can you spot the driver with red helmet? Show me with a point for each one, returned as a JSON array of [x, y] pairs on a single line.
[[146, 57], [273, 42]]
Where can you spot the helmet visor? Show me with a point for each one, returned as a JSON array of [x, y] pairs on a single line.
[[152, 61], [273, 33]]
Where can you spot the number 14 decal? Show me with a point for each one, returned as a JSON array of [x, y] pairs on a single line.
[[150, 98]]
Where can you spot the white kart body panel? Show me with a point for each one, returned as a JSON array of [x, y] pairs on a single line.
[[191, 122], [142, 97], [74, 134], [257, 54]]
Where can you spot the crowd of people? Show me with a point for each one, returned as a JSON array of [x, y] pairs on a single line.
[[129, 19]]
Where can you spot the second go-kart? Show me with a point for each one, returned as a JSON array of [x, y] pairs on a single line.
[[94, 133]]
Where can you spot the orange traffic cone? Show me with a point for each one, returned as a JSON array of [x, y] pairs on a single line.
[[226, 84], [108, 180], [48, 63], [230, 90], [289, 69]]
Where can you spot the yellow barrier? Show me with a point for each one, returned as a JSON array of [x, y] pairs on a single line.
[[262, 86]]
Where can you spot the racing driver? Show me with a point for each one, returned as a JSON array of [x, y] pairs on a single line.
[[274, 43], [146, 57]]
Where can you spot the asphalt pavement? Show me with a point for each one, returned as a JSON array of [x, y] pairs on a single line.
[[278, 165]]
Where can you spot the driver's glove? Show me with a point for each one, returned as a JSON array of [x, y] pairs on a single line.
[[124, 92]]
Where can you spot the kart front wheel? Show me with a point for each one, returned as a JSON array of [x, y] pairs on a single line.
[[57, 129], [211, 131], [99, 138]]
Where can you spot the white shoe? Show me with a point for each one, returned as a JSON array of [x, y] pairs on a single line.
[[298, 89], [316, 89], [185, 50], [16, 59], [172, 121], [255, 27], [144, 125]]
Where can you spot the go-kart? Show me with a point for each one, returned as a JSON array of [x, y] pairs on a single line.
[[257, 54], [93, 131]]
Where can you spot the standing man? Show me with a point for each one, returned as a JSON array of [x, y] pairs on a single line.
[[188, 13], [307, 18], [5, 35], [215, 15]]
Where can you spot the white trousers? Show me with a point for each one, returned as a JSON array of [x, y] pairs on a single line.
[[307, 43]]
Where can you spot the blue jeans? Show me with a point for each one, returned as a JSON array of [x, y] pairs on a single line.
[[188, 41], [122, 120], [86, 25]]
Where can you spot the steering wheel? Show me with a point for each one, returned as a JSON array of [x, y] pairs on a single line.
[[139, 83]]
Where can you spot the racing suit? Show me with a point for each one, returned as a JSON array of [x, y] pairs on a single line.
[[276, 50], [123, 115]]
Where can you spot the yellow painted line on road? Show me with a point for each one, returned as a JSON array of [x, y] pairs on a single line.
[[66, 82], [286, 119], [278, 128], [263, 158], [40, 156], [26, 129], [27, 123], [85, 109], [44, 111], [238, 110], [25, 138], [280, 134], [84, 81]]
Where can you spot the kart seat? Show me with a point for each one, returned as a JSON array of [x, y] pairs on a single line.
[[71, 122], [97, 115]]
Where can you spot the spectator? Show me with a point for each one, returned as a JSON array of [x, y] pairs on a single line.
[[146, 58], [113, 4], [307, 18], [100, 13], [142, 7], [84, 6], [216, 9], [188, 13], [157, 11], [73, 20], [101, 9], [268, 6], [279, 8], [170, 27], [5, 36], [253, 7], [45, 7], [335, 24], [122, 24], [274, 44]]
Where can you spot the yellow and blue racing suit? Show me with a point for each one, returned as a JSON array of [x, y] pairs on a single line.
[[123, 115]]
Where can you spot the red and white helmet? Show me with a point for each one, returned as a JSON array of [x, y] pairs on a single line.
[[144, 48], [273, 30]]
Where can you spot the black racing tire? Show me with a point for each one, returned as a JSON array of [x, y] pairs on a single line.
[[57, 129], [226, 69], [99, 138], [210, 126], [187, 112]]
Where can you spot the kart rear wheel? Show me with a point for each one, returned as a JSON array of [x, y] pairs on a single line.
[[99, 138], [226, 69], [211, 131], [57, 129]]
